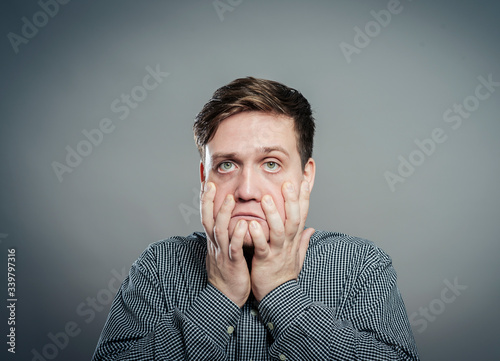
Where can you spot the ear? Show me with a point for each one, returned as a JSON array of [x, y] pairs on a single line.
[[310, 172], [202, 172]]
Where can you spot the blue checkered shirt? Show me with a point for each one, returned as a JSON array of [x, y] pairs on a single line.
[[345, 305]]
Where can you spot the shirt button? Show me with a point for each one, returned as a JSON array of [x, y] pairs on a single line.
[[254, 312], [230, 329], [282, 357], [270, 325]]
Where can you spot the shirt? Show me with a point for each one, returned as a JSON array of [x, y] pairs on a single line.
[[345, 305]]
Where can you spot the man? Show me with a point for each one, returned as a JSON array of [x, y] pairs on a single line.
[[258, 285]]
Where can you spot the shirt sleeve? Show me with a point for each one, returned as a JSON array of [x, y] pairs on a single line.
[[143, 324], [371, 325]]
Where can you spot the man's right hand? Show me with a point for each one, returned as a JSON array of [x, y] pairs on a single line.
[[226, 265]]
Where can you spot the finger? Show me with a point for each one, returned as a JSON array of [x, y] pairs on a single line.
[[211, 250], [304, 244], [236, 243], [274, 221], [261, 247], [292, 210], [222, 219], [305, 193], [207, 207], [202, 188]]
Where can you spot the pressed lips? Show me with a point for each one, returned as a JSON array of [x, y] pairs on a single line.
[[248, 215]]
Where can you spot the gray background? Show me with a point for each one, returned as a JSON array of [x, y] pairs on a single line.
[[71, 237]]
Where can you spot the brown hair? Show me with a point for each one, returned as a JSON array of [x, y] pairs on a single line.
[[252, 94]]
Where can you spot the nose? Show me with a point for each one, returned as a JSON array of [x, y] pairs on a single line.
[[248, 186]]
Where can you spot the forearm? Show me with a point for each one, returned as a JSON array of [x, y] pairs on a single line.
[[304, 330], [175, 337], [146, 322]]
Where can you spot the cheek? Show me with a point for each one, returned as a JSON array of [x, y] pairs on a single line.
[[279, 202], [220, 195], [217, 205]]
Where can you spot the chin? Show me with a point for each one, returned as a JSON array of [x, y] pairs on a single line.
[[247, 241]]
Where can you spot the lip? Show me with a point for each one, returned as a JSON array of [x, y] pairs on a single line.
[[248, 216]]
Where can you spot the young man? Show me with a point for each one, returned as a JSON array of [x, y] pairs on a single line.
[[258, 285]]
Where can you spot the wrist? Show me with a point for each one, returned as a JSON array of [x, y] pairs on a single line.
[[238, 298], [262, 291]]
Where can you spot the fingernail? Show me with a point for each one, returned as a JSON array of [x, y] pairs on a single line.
[[306, 186], [268, 200], [289, 187], [228, 199], [241, 224], [253, 224]]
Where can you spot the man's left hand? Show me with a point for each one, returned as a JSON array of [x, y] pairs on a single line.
[[281, 259]]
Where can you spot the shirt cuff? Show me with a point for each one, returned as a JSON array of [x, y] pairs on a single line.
[[214, 314], [283, 305]]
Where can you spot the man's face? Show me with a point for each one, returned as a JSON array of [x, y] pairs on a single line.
[[252, 154]]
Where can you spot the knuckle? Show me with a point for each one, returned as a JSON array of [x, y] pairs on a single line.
[[233, 249], [206, 222], [261, 249], [279, 232], [205, 198], [291, 234], [218, 232], [295, 222]]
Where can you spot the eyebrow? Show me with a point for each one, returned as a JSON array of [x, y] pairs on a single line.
[[262, 150], [276, 148]]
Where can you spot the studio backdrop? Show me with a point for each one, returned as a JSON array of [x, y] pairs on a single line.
[[98, 159]]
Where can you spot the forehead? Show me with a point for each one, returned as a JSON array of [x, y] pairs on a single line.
[[248, 132]]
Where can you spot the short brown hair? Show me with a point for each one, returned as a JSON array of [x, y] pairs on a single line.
[[252, 94]]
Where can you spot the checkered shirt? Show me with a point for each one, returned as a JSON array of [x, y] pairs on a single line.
[[345, 305]]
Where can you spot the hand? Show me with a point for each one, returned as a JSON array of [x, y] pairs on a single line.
[[227, 268], [281, 259]]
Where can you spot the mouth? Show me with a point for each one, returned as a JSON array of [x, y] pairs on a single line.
[[247, 216]]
